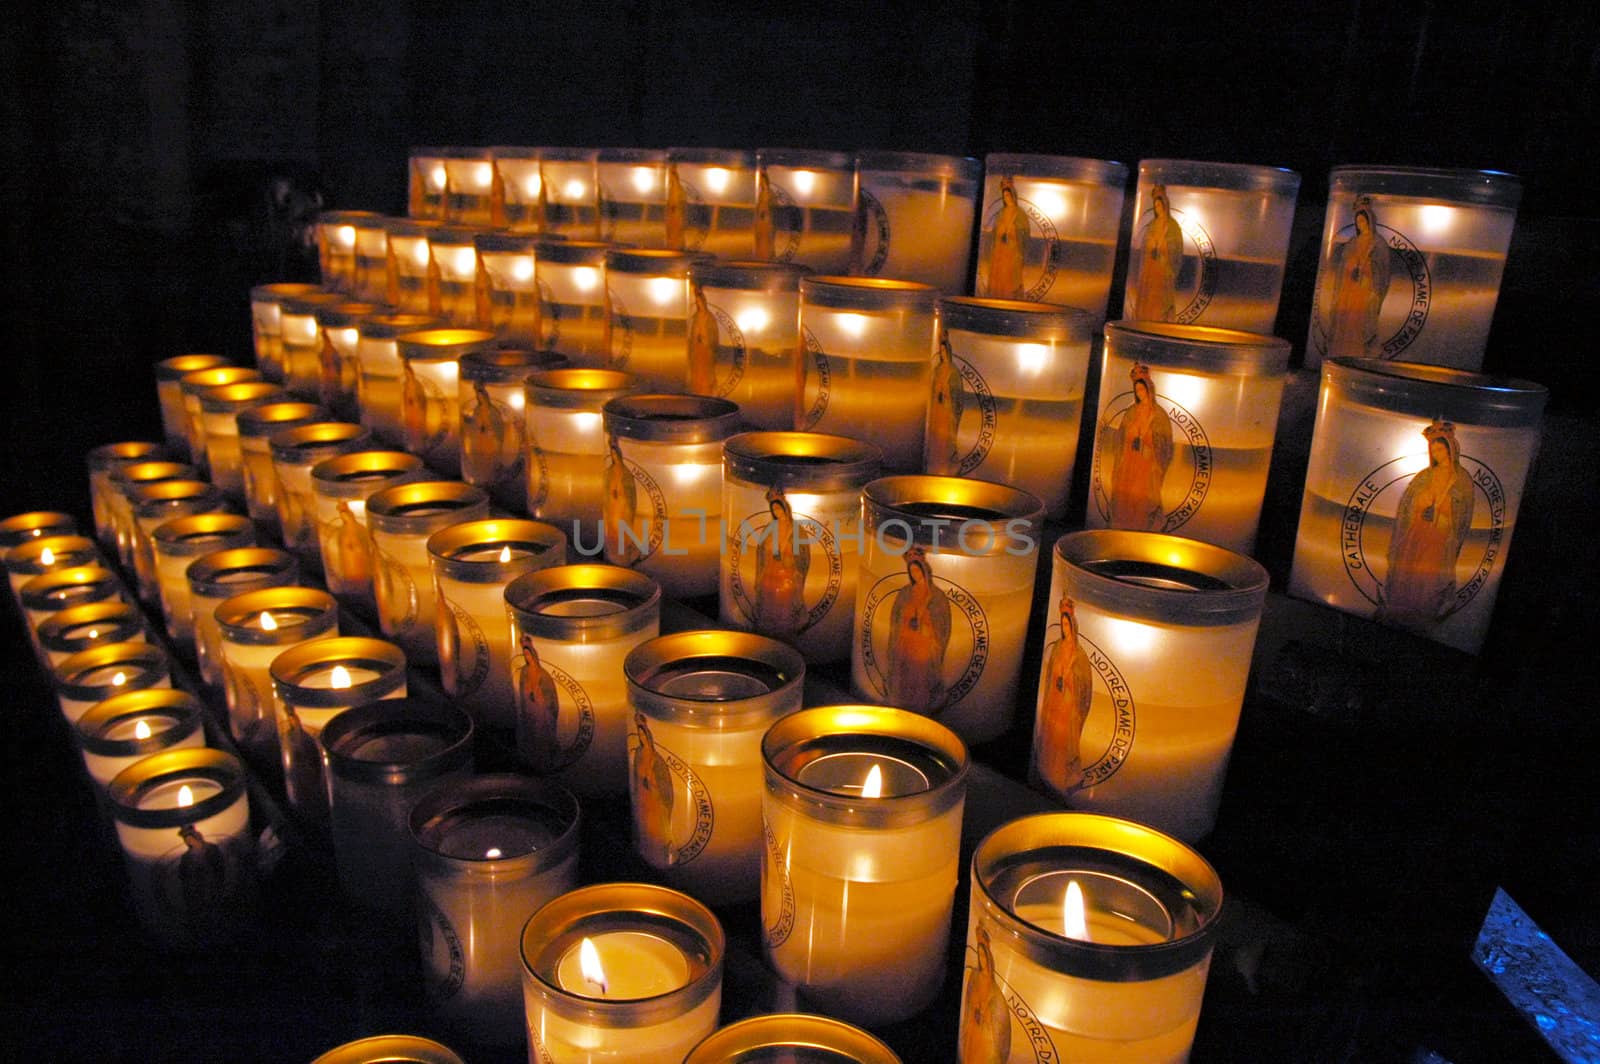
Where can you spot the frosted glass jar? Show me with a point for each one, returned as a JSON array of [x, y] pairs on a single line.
[[257, 426], [570, 192], [378, 377], [220, 408], [215, 578], [174, 422], [711, 201], [647, 292], [575, 319], [805, 209], [400, 519], [915, 217], [491, 409], [567, 449], [429, 379], [340, 488], [743, 337], [632, 185]]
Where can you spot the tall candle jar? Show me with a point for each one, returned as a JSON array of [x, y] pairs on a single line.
[[489, 853], [1412, 490], [340, 488], [220, 408], [711, 201], [794, 1036], [124, 480], [300, 335], [518, 188], [647, 291], [102, 461], [645, 989], [314, 682], [48, 594], [89, 677], [46, 555], [572, 627], [174, 422], [1006, 401], [80, 628], [941, 610], [1208, 244], [508, 298], [1116, 976], [791, 505], [153, 506], [805, 208], [178, 544], [266, 316], [339, 365], [1411, 264], [1185, 429], [378, 377], [455, 261], [426, 181], [662, 510], [473, 562], [866, 360], [257, 426], [385, 1048], [575, 319], [915, 217], [1048, 230], [1147, 652], [382, 758], [571, 196], [743, 335], [468, 186], [567, 447], [183, 819], [701, 703], [632, 184], [372, 259], [294, 452], [413, 282], [337, 248], [862, 815], [215, 578], [255, 627], [400, 520], [490, 407], [126, 728], [190, 388], [429, 379]]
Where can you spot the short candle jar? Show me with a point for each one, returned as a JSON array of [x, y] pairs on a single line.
[[48, 594], [429, 379], [372, 259], [489, 853], [80, 628], [48, 554], [572, 627], [455, 262], [340, 488], [1048, 230], [866, 362], [647, 291], [337, 248], [378, 376], [1411, 264], [255, 628], [941, 609], [215, 578], [711, 201], [743, 335], [1006, 401], [1208, 244], [127, 728], [266, 322], [400, 520], [1147, 651], [125, 480], [1119, 975], [621, 972], [294, 453], [575, 316], [570, 194], [701, 703], [508, 300], [490, 407], [518, 193], [153, 506], [566, 442], [1187, 418], [413, 284], [662, 510], [1412, 490], [190, 388], [632, 185], [426, 181], [795, 1037], [805, 208], [387, 1048], [338, 364], [468, 186], [174, 422], [37, 524], [862, 813], [473, 562], [177, 545], [89, 677], [915, 217], [300, 335], [102, 461], [791, 505], [220, 408], [257, 426]]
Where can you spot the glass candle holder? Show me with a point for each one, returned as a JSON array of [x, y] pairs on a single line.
[[941, 610], [174, 422], [220, 408], [473, 562], [81, 628], [1412, 490], [48, 594], [915, 217], [47, 554], [124, 480], [257, 426], [400, 520], [793, 1036], [662, 510], [743, 335], [295, 452], [215, 578], [701, 703], [127, 728], [255, 627], [426, 182], [190, 388], [711, 201], [340, 488], [339, 366], [378, 379], [177, 544], [567, 446], [632, 186], [153, 506], [652, 984], [413, 280], [572, 627], [384, 1048], [647, 292], [518, 193], [490, 408], [36, 524], [1147, 652], [1208, 244], [791, 505], [266, 321], [337, 248], [183, 819], [508, 296], [300, 335], [576, 317], [311, 684], [1185, 429], [489, 853], [468, 186], [1006, 401], [805, 209], [1049, 230], [1089, 939], [382, 758], [455, 261], [1411, 264], [372, 259], [571, 194], [102, 461], [865, 363], [89, 677], [429, 379], [862, 813]]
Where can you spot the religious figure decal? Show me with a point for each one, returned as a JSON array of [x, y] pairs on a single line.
[[1010, 240], [702, 345], [781, 568], [1431, 525], [1160, 256], [1361, 270], [538, 712], [945, 407], [651, 781], [1140, 450], [919, 636], [1064, 699], [985, 1018]]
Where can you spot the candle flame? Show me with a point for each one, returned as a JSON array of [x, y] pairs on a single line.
[[574, 189], [119, 679], [532, 185], [340, 678], [1032, 358], [873, 786], [585, 278], [752, 319], [421, 252], [185, 796], [141, 730], [483, 175], [35, 532], [666, 290], [589, 965], [345, 235], [94, 633], [505, 554], [47, 557], [269, 623], [522, 269], [466, 261], [805, 181], [644, 178], [1074, 922], [717, 179], [492, 853], [437, 177]]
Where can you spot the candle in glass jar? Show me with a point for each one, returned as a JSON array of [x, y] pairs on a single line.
[[80, 628], [102, 461], [575, 315], [190, 387], [378, 377], [220, 407], [177, 544], [300, 337], [337, 248], [19, 529], [47, 554], [413, 282], [89, 677], [48, 594], [340, 488], [125, 479], [632, 186], [386, 1048], [174, 422], [915, 214], [468, 186], [372, 259], [795, 1037], [455, 262], [400, 520], [518, 192], [129, 727], [294, 452], [805, 208], [266, 318], [429, 379], [338, 364], [567, 448], [215, 578], [862, 815], [711, 201], [426, 181], [153, 506], [491, 402], [255, 628], [743, 335], [570, 194], [257, 426], [647, 292], [508, 300]]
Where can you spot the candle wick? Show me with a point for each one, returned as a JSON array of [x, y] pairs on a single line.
[[601, 983]]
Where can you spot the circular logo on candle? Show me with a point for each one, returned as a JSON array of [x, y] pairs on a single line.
[[811, 393], [673, 815], [491, 440], [686, 216], [771, 555], [1152, 460], [631, 537], [1373, 290], [620, 327], [961, 415], [199, 884], [463, 650], [424, 418], [555, 715], [924, 639], [988, 1006], [717, 350], [871, 231], [443, 960], [1024, 250], [775, 878], [1084, 728], [246, 718], [394, 592], [538, 476], [785, 222], [1167, 286]]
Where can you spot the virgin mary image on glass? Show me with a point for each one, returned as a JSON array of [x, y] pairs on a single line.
[[1360, 281], [1430, 526], [1140, 450], [1160, 258]]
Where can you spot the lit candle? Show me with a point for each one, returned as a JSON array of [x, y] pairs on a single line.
[[126, 477], [791, 1036], [455, 263], [1147, 652], [1412, 490], [575, 318], [177, 544], [570, 194], [401, 518], [426, 181], [338, 363], [857, 887], [652, 986], [220, 407], [490, 404], [294, 452], [300, 338], [518, 193], [340, 488], [255, 628], [190, 387], [508, 300], [386, 1048], [632, 184], [468, 186], [566, 442], [711, 201], [647, 292], [129, 727], [47, 554], [1049, 230], [429, 378], [338, 248], [805, 209], [702, 701], [743, 335], [174, 422], [257, 426], [413, 282], [378, 379], [915, 217], [48, 594], [92, 676], [102, 461], [215, 578], [372, 259], [266, 319], [153, 506], [80, 628]]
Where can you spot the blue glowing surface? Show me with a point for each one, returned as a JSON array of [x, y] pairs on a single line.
[[1558, 998]]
